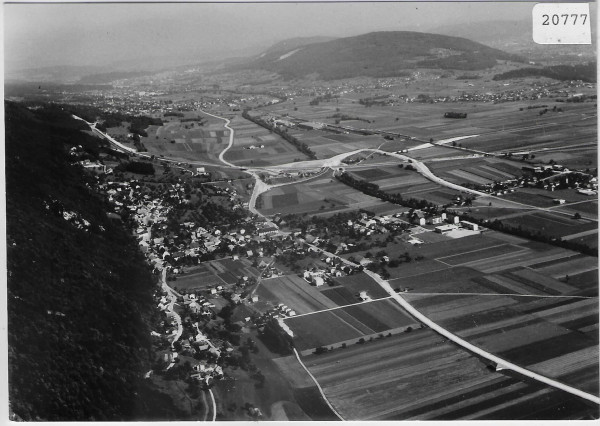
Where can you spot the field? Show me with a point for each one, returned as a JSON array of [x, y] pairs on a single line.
[[409, 184], [554, 336], [497, 127], [217, 272], [319, 195], [479, 171], [554, 221], [360, 282], [419, 376], [346, 325], [276, 149], [188, 141], [295, 293]]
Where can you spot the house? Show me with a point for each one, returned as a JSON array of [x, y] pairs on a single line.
[[254, 298], [363, 295], [365, 261], [236, 298], [195, 307], [268, 230], [318, 281]]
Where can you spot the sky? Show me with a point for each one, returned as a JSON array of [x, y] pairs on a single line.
[[91, 34]]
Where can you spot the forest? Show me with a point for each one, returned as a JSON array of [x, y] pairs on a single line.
[[583, 72], [79, 293]]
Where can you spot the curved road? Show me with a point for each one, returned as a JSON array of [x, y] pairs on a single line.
[[231, 136]]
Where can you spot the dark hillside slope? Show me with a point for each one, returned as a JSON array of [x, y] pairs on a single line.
[[78, 299], [381, 54]]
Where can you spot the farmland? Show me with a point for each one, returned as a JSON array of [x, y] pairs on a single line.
[[223, 272], [476, 171], [399, 180], [256, 146], [295, 293], [347, 325], [319, 195], [419, 376], [200, 140]]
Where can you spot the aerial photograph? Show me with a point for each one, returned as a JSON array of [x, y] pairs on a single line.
[[312, 211]]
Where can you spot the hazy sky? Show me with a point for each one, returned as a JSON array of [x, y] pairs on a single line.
[[103, 34]]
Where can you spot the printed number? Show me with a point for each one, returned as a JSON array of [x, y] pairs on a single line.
[[555, 19]]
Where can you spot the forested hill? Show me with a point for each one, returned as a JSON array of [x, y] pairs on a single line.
[[379, 54], [585, 72], [79, 295]]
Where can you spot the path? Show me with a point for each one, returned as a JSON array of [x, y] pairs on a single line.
[[214, 404], [231, 136], [170, 310], [318, 385]]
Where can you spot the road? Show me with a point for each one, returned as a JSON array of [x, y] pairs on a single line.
[[463, 343], [172, 295], [332, 163], [472, 348]]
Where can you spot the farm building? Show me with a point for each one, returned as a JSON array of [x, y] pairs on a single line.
[[309, 125], [453, 219], [418, 217], [469, 225], [442, 229], [455, 115], [586, 191]]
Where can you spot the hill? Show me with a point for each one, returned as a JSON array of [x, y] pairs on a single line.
[[379, 54], [290, 44], [516, 36], [79, 293]]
